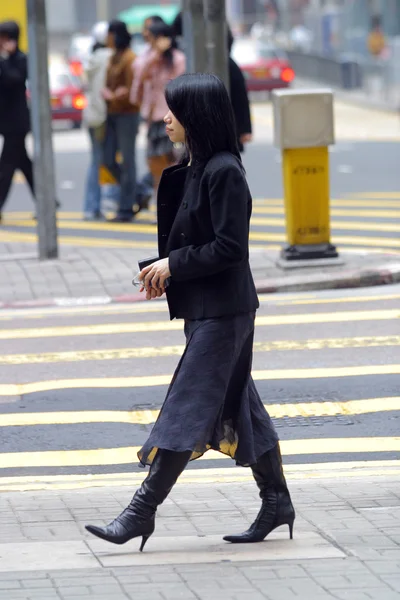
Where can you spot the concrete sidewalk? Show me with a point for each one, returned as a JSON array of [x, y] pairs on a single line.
[[346, 542], [102, 275], [386, 101]]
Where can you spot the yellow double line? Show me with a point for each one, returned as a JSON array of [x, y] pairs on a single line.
[[153, 326], [177, 350], [20, 389], [147, 417], [128, 455]]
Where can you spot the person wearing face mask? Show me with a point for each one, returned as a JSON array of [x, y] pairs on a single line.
[[14, 112]]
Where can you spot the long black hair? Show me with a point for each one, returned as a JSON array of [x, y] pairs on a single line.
[[122, 36], [201, 104], [161, 29]]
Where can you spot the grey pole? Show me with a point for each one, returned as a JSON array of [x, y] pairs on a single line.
[[102, 10], [217, 40], [41, 128], [194, 35]]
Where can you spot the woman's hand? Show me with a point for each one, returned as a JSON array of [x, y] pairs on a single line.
[[120, 92], [154, 277], [107, 94]]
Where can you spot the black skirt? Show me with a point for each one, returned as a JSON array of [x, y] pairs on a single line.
[[212, 402]]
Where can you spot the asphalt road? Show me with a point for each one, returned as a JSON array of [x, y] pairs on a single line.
[[80, 387], [365, 187]]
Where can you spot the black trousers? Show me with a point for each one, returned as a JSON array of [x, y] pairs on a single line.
[[13, 157]]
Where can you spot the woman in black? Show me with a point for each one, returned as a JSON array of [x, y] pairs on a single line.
[[204, 209]]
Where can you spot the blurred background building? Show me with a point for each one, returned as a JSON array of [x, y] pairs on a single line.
[[330, 27]]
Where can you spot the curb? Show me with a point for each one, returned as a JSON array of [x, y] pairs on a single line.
[[72, 302], [385, 275], [350, 279]]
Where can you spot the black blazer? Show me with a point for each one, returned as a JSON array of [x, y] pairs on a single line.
[[203, 227], [14, 112]]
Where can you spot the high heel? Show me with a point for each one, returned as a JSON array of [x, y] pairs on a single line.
[[138, 519], [291, 529], [144, 540], [277, 508]]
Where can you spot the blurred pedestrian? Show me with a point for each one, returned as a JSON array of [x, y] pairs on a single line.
[[14, 112], [376, 39], [144, 186], [237, 89], [161, 63], [94, 117], [204, 207], [240, 99], [122, 119]]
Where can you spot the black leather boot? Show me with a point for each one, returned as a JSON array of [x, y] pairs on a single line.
[[138, 519], [277, 508]]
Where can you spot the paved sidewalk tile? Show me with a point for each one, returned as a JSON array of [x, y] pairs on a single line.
[[325, 561], [96, 272]]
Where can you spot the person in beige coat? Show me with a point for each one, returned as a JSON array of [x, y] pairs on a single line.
[[94, 117]]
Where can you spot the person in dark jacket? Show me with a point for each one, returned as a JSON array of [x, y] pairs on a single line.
[[204, 209], [237, 89], [14, 112], [239, 99]]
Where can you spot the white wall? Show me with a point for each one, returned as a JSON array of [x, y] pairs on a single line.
[[61, 16]]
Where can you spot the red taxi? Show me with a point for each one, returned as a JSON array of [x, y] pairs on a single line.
[[66, 95], [264, 66]]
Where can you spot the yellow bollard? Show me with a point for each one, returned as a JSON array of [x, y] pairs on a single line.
[[303, 130]]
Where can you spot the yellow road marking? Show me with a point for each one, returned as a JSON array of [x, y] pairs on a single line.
[[362, 200], [93, 226], [348, 469], [11, 236], [340, 202], [338, 239], [177, 350], [96, 242], [380, 298], [141, 307], [11, 217], [394, 195], [103, 309], [345, 225], [21, 389], [157, 326], [336, 212], [262, 221], [126, 455], [147, 417], [161, 306]]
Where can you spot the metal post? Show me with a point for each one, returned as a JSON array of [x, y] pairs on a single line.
[[194, 34], [217, 40], [41, 128], [102, 10]]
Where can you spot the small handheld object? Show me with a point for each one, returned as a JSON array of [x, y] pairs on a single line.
[[142, 265]]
